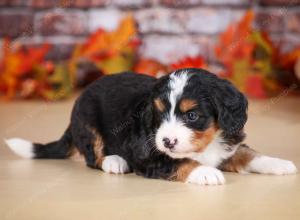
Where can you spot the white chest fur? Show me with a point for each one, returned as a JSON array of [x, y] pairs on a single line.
[[215, 153]]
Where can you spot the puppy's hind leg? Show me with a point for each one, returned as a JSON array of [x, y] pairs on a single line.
[[89, 143], [247, 160]]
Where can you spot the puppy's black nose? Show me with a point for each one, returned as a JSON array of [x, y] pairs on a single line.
[[168, 143]]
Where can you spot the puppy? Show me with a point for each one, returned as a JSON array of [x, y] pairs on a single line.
[[186, 126]]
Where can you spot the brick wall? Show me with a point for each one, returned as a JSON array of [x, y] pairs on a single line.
[[170, 29]]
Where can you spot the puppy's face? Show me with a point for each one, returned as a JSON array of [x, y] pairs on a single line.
[[186, 112]]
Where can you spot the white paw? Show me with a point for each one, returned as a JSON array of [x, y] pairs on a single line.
[[271, 165], [204, 175], [114, 164]]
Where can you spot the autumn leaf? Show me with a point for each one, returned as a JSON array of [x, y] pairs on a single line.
[[25, 74], [116, 64], [290, 58], [33, 56], [254, 86], [189, 62], [59, 84], [150, 67], [103, 43], [17, 64], [111, 51], [250, 58], [234, 41]]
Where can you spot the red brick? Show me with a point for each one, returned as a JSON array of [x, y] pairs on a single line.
[[206, 47], [187, 3], [98, 2], [290, 42], [60, 22], [75, 3], [237, 14], [212, 41], [160, 20], [169, 49], [60, 52], [180, 3], [46, 3], [61, 46], [272, 21], [293, 22], [16, 24], [13, 2], [207, 20], [129, 3], [66, 3], [81, 3], [104, 18], [226, 2], [285, 41], [279, 2]]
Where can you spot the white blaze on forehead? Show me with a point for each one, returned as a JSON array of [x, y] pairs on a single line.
[[176, 85], [171, 127]]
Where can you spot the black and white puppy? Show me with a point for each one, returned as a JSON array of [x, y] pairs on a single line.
[[186, 126]]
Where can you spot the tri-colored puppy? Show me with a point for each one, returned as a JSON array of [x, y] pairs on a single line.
[[186, 126]]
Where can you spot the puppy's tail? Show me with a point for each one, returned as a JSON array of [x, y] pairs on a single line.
[[60, 149]]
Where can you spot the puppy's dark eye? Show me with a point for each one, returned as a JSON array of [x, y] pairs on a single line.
[[192, 116]]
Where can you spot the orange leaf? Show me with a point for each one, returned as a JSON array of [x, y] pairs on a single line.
[[150, 67], [17, 65], [254, 87], [244, 27], [189, 62], [234, 41], [34, 56], [290, 58], [103, 44]]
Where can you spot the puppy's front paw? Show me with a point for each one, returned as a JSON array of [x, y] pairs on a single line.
[[205, 175], [271, 165], [114, 164]]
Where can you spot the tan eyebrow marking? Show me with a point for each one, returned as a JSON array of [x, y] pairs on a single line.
[[159, 104], [187, 104]]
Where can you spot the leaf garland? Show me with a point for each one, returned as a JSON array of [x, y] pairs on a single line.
[[249, 57], [252, 61]]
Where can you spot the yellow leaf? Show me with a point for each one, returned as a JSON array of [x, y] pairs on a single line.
[[118, 63]]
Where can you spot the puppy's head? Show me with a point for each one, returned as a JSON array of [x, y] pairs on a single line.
[[191, 106]]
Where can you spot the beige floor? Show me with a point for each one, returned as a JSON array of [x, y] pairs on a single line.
[[68, 190]]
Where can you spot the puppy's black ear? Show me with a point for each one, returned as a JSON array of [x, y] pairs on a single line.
[[231, 106]]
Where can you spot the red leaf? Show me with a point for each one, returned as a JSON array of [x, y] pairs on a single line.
[[189, 62], [254, 87]]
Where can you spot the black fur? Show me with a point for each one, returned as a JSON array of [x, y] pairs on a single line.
[[120, 108], [57, 149], [229, 104]]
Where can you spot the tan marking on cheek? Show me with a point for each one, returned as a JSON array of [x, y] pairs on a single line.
[[239, 160], [159, 104], [184, 170], [202, 138], [187, 104]]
